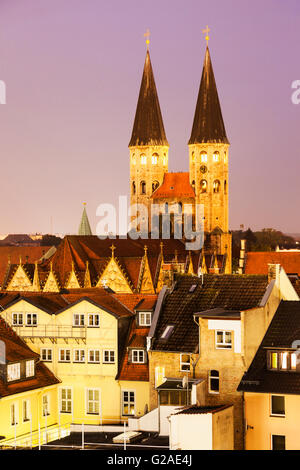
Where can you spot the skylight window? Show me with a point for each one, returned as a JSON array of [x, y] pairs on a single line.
[[192, 288], [167, 331]]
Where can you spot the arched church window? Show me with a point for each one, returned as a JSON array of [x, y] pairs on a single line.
[[155, 159], [225, 187], [133, 187], [203, 186], [133, 159], [193, 184], [225, 157], [203, 156], [193, 157], [216, 186], [143, 187], [155, 185], [165, 159], [143, 159], [216, 156]]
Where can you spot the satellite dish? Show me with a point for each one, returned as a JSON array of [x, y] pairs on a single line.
[[185, 381], [2, 353]]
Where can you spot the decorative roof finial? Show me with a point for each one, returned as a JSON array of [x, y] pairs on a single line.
[[112, 247], [147, 36], [206, 31]]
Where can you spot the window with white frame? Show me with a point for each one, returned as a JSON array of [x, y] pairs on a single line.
[[31, 319], [46, 405], [46, 354], [13, 372], [128, 402], [64, 355], [94, 320], [66, 400], [145, 318], [94, 356], [214, 381], [26, 410], [138, 356], [14, 414], [78, 319], [93, 401], [17, 319], [79, 355], [185, 362], [108, 356], [30, 368], [223, 339]]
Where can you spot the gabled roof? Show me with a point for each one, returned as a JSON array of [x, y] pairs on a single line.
[[208, 125], [225, 291], [174, 185], [148, 127], [257, 262], [283, 330]]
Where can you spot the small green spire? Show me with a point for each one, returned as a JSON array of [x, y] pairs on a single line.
[[84, 227]]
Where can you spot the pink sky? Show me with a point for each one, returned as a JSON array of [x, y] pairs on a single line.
[[73, 69]]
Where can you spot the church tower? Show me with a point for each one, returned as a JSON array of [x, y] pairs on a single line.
[[148, 145], [208, 162]]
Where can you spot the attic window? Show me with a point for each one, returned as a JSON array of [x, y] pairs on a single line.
[[13, 372], [192, 288], [167, 332], [282, 360]]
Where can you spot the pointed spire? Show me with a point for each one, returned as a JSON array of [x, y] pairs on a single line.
[[208, 125], [148, 127], [87, 276], [84, 227]]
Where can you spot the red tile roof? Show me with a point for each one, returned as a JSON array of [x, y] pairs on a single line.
[[174, 185], [257, 262], [130, 371]]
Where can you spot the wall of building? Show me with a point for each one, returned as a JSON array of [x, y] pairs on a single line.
[[191, 432], [223, 430]]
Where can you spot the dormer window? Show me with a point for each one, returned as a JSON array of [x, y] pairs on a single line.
[[145, 318], [30, 368], [138, 356], [282, 360], [13, 372]]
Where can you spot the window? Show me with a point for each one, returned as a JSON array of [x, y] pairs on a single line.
[[94, 355], [145, 318], [46, 405], [17, 319], [167, 332], [277, 405], [31, 319], [185, 362], [223, 339], [108, 356], [154, 159], [193, 157], [143, 159], [46, 355], [29, 368], [13, 372], [138, 356], [203, 186], [143, 187], [128, 402], [203, 156], [26, 411], [285, 360], [93, 401], [64, 355], [78, 319], [155, 185], [214, 381], [133, 159], [278, 442], [225, 157], [66, 400], [165, 160], [175, 397], [133, 188], [216, 156], [14, 414], [79, 355], [94, 320], [216, 186]]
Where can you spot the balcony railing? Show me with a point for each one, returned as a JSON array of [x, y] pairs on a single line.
[[51, 331]]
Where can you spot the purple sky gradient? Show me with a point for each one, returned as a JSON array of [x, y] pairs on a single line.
[[73, 69]]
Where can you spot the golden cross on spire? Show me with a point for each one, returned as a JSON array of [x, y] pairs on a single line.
[[206, 31], [147, 36], [112, 247]]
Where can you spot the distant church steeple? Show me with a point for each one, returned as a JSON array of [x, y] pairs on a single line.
[[208, 125], [84, 227], [148, 145]]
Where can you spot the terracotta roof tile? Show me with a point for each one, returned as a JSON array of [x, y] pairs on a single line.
[[257, 262], [174, 185]]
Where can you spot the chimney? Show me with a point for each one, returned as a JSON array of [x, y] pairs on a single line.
[[273, 272]]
